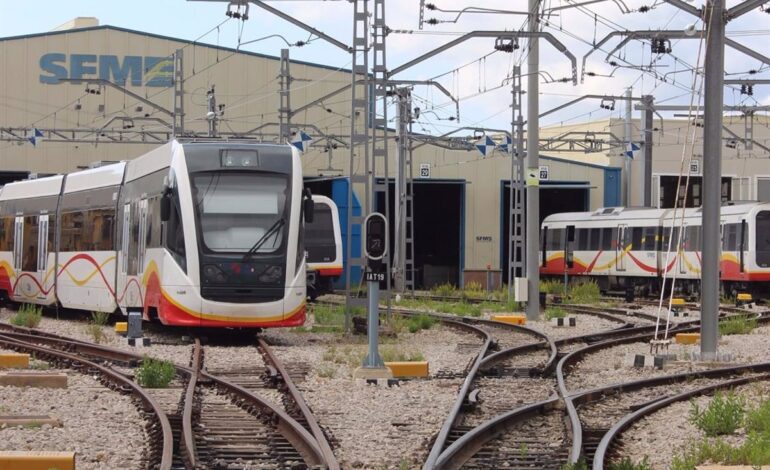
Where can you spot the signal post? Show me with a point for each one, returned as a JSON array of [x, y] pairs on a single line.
[[375, 248]]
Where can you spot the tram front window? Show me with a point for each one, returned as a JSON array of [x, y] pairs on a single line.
[[235, 210]]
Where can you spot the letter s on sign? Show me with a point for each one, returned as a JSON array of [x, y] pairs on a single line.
[[48, 63]]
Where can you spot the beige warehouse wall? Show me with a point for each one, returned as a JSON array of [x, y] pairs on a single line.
[[246, 84]]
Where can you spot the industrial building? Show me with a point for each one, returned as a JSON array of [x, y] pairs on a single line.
[[88, 93]]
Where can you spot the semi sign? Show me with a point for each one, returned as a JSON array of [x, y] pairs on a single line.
[[134, 70]]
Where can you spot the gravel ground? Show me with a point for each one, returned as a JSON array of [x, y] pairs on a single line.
[[179, 354], [378, 427], [584, 324], [660, 436], [499, 395], [613, 365], [87, 409]]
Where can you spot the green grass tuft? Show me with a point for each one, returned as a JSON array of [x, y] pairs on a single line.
[[739, 325], [554, 312], [723, 415], [584, 293], [628, 464], [551, 286], [579, 465], [28, 315], [420, 322], [154, 373], [445, 290], [96, 327]]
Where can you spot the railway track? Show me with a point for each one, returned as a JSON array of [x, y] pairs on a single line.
[[219, 423]]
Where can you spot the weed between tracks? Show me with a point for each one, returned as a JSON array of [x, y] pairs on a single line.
[[154, 373], [722, 416], [95, 327], [28, 315], [740, 325], [554, 312], [754, 451]]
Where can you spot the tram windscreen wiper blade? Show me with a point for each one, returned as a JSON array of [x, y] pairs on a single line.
[[273, 229]]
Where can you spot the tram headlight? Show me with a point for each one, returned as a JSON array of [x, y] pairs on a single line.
[[271, 275]]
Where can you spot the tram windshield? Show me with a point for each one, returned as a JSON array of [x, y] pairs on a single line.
[[235, 209]]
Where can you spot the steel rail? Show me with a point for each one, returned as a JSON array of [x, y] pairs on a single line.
[[565, 362], [187, 443], [464, 448], [150, 404], [454, 413], [295, 433], [329, 460], [609, 438]]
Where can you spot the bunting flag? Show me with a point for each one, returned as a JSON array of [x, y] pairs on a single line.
[[34, 136], [485, 145], [302, 141], [631, 150]]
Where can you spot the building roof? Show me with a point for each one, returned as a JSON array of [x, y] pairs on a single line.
[[168, 38]]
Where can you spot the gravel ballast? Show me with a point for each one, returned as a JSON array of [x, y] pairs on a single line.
[[103, 427], [668, 432]]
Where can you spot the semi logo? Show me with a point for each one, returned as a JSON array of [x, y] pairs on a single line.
[[133, 70]]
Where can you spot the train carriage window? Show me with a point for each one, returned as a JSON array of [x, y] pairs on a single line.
[[51, 233], [664, 241], [91, 230], [730, 237], [692, 242], [29, 251], [636, 238], [581, 239], [133, 246], [762, 241], [649, 238], [6, 233], [555, 241], [608, 238], [153, 223], [175, 232], [594, 236]]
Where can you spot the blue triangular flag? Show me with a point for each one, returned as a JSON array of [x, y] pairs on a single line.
[[631, 150], [506, 145], [485, 145], [35, 136], [301, 141]]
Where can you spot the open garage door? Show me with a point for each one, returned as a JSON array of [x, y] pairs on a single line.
[[555, 197], [439, 230]]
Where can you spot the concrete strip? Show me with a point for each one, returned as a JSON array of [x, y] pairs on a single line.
[[20, 379]]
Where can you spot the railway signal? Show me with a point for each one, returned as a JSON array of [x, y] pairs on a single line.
[[375, 248]]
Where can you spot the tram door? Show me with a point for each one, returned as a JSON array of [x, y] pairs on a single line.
[[620, 248], [42, 246], [125, 241], [18, 244], [682, 250], [141, 239]]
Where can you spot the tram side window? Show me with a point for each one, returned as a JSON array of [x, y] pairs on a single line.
[[6, 233], [51, 232], [594, 241], [692, 242], [608, 238], [133, 245], [581, 239], [91, 230], [649, 238], [666, 236], [29, 253], [730, 237], [555, 240], [175, 233], [636, 238], [762, 242], [153, 223]]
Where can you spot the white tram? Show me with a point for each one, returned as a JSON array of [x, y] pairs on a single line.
[[619, 246], [191, 233]]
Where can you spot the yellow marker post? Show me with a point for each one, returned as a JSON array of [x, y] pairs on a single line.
[[408, 368], [687, 338], [14, 361], [512, 319], [15, 460]]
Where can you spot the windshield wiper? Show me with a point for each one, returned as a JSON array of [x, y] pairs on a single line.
[[273, 229]]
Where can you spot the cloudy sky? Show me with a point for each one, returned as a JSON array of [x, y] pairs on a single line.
[[473, 71]]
